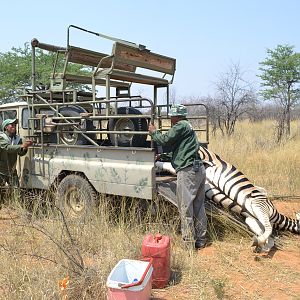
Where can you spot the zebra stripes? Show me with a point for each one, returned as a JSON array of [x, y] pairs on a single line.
[[230, 188]]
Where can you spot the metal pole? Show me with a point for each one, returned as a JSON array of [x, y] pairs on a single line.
[[168, 99], [33, 81], [154, 102], [108, 96], [42, 143], [138, 46]]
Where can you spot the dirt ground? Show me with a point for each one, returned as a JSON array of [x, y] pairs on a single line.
[[238, 273], [231, 270]]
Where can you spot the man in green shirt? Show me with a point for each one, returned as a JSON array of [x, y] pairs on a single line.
[[183, 143], [11, 146]]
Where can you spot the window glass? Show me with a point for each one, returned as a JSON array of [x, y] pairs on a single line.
[[25, 117]]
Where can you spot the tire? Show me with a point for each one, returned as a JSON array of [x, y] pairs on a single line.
[[127, 124], [73, 138], [75, 197]]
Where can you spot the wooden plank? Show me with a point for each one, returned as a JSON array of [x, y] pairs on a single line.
[[144, 59], [92, 58], [88, 80], [134, 77]]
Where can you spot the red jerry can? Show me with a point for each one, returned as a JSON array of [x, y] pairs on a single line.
[[158, 248]]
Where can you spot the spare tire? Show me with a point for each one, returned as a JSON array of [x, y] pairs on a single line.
[[72, 138], [128, 124]]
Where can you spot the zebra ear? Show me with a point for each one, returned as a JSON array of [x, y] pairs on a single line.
[[298, 216]]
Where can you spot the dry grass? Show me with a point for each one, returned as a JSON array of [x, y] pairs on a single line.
[[252, 149], [36, 250]]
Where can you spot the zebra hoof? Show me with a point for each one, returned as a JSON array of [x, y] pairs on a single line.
[[255, 242], [262, 250]]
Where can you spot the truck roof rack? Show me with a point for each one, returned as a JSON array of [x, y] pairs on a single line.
[[127, 63]]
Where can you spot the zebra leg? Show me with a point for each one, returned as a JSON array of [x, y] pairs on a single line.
[[254, 226], [269, 244], [260, 212], [257, 228]]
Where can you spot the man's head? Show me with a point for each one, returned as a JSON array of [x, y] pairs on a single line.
[[177, 113], [9, 125]]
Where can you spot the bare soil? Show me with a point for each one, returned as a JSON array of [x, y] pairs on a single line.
[[229, 269], [235, 272]]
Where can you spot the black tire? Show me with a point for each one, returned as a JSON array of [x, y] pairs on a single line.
[[127, 124], [73, 138], [75, 197]]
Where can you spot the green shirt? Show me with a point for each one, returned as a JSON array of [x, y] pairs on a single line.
[[10, 148], [182, 141]]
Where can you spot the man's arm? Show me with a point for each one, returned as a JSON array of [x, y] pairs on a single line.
[[24, 147], [167, 139], [5, 145], [20, 149]]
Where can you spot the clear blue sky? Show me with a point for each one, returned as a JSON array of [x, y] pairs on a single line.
[[204, 36]]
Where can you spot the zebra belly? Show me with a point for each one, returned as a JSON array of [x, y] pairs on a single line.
[[217, 196]]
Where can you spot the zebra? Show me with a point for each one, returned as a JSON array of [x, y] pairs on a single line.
[[230, 188], [227, 186]]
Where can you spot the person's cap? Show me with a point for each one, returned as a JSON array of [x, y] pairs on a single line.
[[8, 121], [178, 110]]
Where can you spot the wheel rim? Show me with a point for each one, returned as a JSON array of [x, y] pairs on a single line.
[[124, 125], [68, 138], [74, 201]]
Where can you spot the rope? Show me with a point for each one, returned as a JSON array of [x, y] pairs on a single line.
[[284, 197]]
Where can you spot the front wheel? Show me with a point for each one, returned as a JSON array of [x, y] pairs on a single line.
[[75, 197]]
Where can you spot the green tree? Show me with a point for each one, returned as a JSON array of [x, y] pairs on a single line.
[[280, 81], [15, 70]]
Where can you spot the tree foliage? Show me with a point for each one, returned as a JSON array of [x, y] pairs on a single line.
[[280, 81], [16, 70]]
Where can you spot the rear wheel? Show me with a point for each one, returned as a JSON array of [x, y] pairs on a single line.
[[75, 197], [128, 124]]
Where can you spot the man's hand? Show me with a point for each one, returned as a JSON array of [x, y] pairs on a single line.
[[151, 128], [157, 157], [27, 144]]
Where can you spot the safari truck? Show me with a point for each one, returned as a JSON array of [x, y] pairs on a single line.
[[90, 133]]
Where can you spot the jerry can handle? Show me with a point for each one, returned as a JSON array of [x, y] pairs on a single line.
[[124, 286], [157, 237]]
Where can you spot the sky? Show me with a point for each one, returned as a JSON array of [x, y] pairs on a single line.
[[205, 37]]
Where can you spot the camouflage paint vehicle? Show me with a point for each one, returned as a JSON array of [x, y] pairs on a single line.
[[86, 143]]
